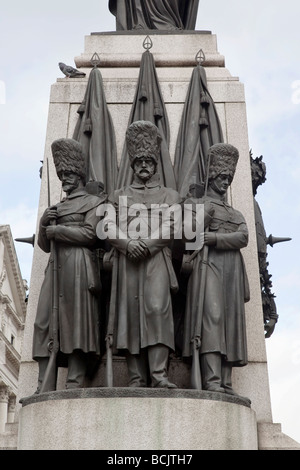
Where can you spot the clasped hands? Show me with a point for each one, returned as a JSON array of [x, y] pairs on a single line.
[[137, 250]]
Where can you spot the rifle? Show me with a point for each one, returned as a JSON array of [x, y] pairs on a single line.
[[111, 321], [196, 380], [50, 377]]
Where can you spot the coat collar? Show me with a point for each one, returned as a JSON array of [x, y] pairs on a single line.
[[154, 182], [77, 193]]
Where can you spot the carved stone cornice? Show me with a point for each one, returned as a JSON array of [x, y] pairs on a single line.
[[3, 275], [6, 300], [4, 394], [12, 357], [11, 264]]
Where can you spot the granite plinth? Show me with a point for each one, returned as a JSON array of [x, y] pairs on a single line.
[[169, 49], [136, 419], [130, 392]]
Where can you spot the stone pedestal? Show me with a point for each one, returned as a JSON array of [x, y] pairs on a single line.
[[174, 55], [136, 419]]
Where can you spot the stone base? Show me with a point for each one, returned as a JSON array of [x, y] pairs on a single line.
[[136, 419], [271, 437], [124, 50]]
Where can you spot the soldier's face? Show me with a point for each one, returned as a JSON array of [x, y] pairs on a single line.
[[144, 168], [221, 183], [70, 181]]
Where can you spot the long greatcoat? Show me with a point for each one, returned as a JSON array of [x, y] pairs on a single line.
[[142, 295], [226, 289], [79, 282]]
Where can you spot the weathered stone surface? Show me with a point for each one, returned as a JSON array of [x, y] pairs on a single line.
[[142, 419], [271, 437], [169, 49]]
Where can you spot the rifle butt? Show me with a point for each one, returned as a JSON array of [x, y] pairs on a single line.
[[50, 377], [109, 367], [196, 381]]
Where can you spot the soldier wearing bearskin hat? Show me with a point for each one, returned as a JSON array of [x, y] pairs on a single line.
[[78, 277], [145, 276], [223, 328]]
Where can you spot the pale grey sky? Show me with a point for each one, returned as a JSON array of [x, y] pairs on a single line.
[[260, 41]]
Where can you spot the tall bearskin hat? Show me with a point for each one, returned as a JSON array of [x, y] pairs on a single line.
[[143, 140], [68, 156], [222, 158]]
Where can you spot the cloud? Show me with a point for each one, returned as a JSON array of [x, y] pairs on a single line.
[[291, 280]]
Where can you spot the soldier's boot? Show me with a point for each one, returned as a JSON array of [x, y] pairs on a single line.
[[211, 369], [227, 378], [43, 363], [137, 369], [158, 357], [77, 365]]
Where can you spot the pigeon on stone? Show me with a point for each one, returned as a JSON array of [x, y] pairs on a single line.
[[69, 71]]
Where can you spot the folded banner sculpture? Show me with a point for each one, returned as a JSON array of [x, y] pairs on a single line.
[[148, 105], [95, 132], [200, 128]]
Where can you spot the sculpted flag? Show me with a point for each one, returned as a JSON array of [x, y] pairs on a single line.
[[95, 132], [148, 105], [200, 128], [154, 14]]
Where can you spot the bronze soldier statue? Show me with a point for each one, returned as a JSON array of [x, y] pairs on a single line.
[[221, 331], [154, 14], [258, 172], [72, 279], [145, 276]]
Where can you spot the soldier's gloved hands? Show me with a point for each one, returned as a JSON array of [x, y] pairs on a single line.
[[137, 250], [210, 239], [49, 216]]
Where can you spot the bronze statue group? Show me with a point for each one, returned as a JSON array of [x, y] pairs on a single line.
[[69, 320]]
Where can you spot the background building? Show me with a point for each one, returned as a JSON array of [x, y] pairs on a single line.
[[12, 319]]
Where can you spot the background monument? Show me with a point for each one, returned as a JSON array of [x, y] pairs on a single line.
[[247, 427]]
